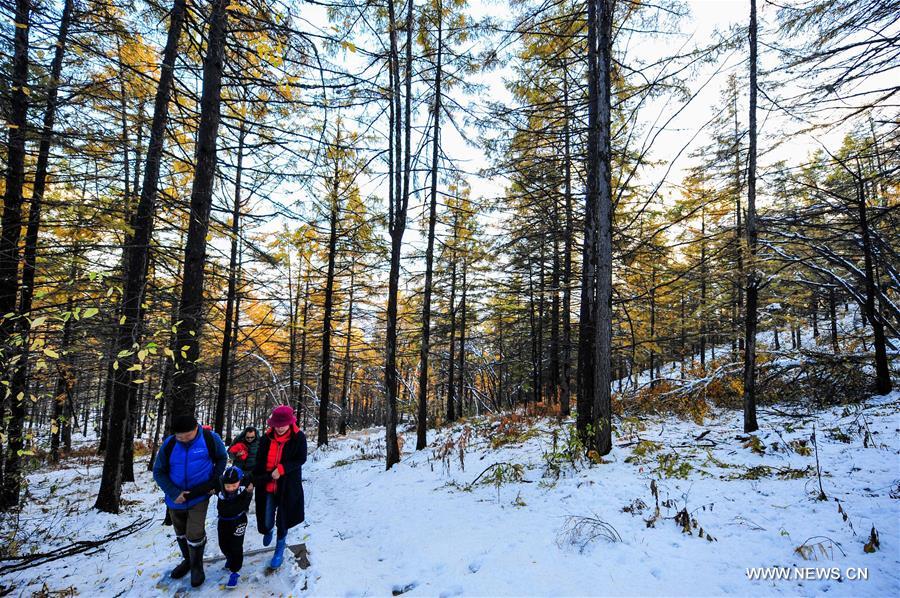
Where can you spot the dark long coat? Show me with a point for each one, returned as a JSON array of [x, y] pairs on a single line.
[[289, 494]]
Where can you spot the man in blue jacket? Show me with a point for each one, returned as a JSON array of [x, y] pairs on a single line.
[[187, 469]]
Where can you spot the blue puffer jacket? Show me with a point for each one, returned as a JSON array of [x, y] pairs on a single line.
[[190, 468]]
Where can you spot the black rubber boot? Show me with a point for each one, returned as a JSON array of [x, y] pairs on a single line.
[[197, 574], [185, 565]]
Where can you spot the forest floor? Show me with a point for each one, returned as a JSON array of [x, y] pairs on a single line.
[[498, 506]]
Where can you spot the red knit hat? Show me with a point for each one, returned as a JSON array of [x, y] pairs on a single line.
[[282, 415]]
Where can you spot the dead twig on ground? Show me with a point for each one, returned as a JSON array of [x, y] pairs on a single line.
[[20, 563], [581, 531]]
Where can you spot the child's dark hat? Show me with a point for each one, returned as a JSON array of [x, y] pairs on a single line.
[[232, 475]]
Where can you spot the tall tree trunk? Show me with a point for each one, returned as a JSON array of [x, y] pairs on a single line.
[[653, 380], [303, 322], [752, 279], [40, 176], [703, 276], [567, 258], [225, 358], [539, 388], [400, 201], [15, 176], [600, 170], [325, 386], [160, 417], [34, 214], [107, 397], [814, 313], [145, 410], [10, 231], [190, 309], [293, 307], [832, 313], [133, 401], [587, 325], [554, 314], [136, 263], [425, 348], [62, 396], [882, 372], [462, 338], [139, 119], [500, 365], [739, 229], [535, 343], [683, 345], [85, 415], [134, 413], [69, 420], [164, 415], [235, 328], [451, 366], [345, 385]]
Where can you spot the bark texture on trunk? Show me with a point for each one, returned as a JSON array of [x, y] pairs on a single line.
[[752, 279], [190, 307], [136, 262]]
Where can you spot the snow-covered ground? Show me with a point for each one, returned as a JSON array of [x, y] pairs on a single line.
[[425, 529]]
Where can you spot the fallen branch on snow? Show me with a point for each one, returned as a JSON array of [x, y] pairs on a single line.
[[511, 470], [82, 546]]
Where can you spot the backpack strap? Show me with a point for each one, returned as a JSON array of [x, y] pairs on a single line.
[[210, 444], [168, 447]]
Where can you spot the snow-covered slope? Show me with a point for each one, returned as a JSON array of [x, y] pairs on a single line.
[[425, 529]]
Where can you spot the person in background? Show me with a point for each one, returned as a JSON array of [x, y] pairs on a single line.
[[187, 470], [244, 448], [279, 481], [232, 506]]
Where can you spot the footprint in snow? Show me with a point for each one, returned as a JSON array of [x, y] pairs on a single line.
[[451, 592], [402, 589], [474, 566]]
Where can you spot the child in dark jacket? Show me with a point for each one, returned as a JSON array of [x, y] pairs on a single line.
[[233, 504]]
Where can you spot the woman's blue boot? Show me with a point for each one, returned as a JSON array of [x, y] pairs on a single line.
[[267, 538], [278, 557]]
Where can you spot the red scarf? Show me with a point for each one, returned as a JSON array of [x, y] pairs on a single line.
[[273, 458]]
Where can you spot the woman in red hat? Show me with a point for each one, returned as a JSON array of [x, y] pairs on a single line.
[[277, 475]]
